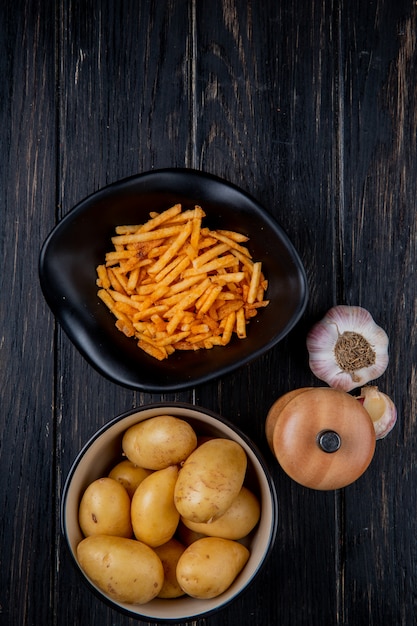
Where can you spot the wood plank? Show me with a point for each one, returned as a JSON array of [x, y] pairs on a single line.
[[27, 199], [380, 245], [267, 75], [124, 70], [123, 80]]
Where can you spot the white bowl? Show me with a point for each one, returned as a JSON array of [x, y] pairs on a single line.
[[103, 451]]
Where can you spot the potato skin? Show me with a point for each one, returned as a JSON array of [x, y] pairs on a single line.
[[237, 521], [125, 569], [105, 509], [159, 442], [210, 479], [210, 565], [129, 475], [153, 512], [169, 553]]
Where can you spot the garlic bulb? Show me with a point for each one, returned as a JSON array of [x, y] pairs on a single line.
[[381, 409], [346, 348]]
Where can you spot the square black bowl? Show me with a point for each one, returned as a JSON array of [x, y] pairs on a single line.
[[79, 242]]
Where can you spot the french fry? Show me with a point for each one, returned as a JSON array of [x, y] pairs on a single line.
[[111, 304], [221, 262], [229, 307], [161, 233], [190, 214], [231, 277], [121, 277], [172, 300], [213, 252], [211, 323], [159, 219], [133, 280], [121, 297], [173, 284], [230, 234], [184, 285], [144, 314], [168, 278], [157, 353], [228, 328], [233, 245], [198, 329], [156, 294], [114, 281], [112, 258], [172, 250], [104, 295], [213, 341], [243, 258], [254, 282], [256, 305], [241, 323], [210, 299], [103, 279], [197, 338], [174, 322], [190, 298], [195, 234], [125, 308], [125, 327], [171, 339], [159, 323]]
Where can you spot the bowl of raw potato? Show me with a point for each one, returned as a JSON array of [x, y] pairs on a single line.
[[169, 512]]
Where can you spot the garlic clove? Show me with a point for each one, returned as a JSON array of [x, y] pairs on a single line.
[[381, 409], [347, 349]]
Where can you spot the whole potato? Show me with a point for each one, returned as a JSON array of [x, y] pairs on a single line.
[[169, 553], [105, 509], [209, 566], [125, 569], [153, 512], [237, 522], [129, 475], [210, 479], [159, 442]]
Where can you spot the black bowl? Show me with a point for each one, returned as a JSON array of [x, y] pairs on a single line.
[[70, 254]]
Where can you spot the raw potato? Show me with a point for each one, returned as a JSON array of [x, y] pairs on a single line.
[[209, 566], [125, 569], [153, 512], [169, 553], [137, 546], [210, 479], [237, 522], [129, 475], [105, 509], [159, 442]]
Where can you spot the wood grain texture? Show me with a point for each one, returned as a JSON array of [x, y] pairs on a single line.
[[260, 123], [379, 273], [310, 106], [27, 446]]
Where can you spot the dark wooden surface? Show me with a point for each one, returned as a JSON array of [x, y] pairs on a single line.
[[309, 105]]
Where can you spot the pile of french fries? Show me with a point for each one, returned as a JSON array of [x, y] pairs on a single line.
[[175, 285]]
